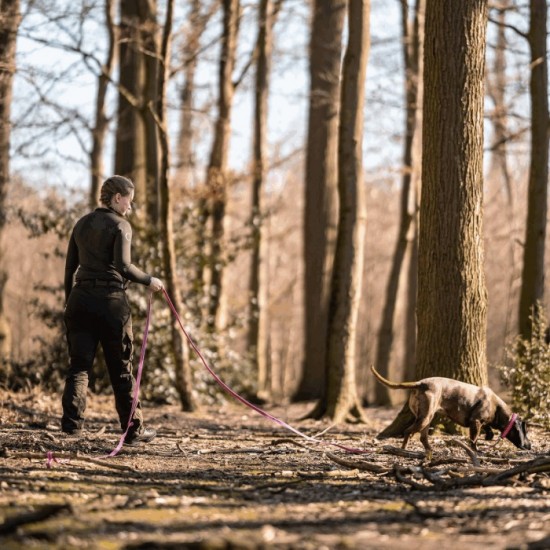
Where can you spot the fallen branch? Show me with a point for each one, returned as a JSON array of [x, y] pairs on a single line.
[[402, 452], [13, 523], [364, 466], [68, 456]]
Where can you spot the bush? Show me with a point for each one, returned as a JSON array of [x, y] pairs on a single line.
[[528, 376]]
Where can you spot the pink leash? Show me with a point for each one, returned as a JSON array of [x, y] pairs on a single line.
[[135, 398], [242, 399]]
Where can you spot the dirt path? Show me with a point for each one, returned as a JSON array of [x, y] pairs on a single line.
[[229, 478]]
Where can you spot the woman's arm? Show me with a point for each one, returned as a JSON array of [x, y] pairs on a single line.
[[123, 256]]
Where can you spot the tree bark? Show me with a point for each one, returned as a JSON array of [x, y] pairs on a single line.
[[452, 300], [532, 280], [217, 180], [101, 122], [321, 194], [130, 153], [341, 398], [257, 313], [10, 19], [179, 345], [150, 59], [412, 54]]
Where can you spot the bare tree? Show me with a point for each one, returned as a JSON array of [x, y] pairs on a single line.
[[179, 344], [413, 32], [340, 397], [217, 180], [256, 334], [99, 131], [452, 298], [10, 19], [149, 30], [321, 195], [130, 146], [532, 280]]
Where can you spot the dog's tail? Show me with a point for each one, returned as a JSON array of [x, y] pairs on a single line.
[[394, 385]]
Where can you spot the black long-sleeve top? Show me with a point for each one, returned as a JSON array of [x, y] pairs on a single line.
[[100, 248]]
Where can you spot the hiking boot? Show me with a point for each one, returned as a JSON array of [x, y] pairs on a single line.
[[135, 439]]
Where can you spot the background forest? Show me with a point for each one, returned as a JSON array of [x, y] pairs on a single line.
[[230, 116]]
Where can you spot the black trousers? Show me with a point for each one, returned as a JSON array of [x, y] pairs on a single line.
[[92, 316]]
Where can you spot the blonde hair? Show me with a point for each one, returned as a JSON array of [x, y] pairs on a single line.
[[113, 185]]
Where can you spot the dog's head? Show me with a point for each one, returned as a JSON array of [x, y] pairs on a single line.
[[518, 435]]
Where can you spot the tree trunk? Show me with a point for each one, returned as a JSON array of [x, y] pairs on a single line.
[[321, 194], [217, 167], [179, 345], [130, 153], [341, 399], [532, 280], [452, 300], [257, 336], [412, 53], [10, 19], [150, 59], [101, 122]]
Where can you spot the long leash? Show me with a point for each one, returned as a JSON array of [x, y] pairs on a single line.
[[245, 402], [135, 398]]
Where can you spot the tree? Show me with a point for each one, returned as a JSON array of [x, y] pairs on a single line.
[[321, 195], [413, 37], [532, 280], [10, 19], [179, 344], [217, 181], [99, 130], [256, 335], [452, 300], [130, 146], [340, 395]]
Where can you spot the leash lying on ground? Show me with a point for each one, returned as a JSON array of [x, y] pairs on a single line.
[[233, 393], [219, 381]]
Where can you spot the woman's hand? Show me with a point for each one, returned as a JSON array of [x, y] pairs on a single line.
[[156, 284]]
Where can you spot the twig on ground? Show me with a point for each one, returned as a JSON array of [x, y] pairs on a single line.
[[69, 456], [403, 452], [354, 465]]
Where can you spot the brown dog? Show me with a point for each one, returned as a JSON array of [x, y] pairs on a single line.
[[465, 404]]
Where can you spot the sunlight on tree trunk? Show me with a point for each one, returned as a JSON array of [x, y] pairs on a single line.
[[321, 194], [257, 310], [10, 19], [217, 180], [452, 299], [341, 400], [179, 344]]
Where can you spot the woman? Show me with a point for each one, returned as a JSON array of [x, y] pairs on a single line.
[[97, 309]]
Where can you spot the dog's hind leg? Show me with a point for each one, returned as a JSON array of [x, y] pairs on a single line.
[[419, 426]]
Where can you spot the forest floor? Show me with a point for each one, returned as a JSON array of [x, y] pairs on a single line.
[[230, 478]]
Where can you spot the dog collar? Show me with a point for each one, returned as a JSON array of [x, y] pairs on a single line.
[[506, 430]]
